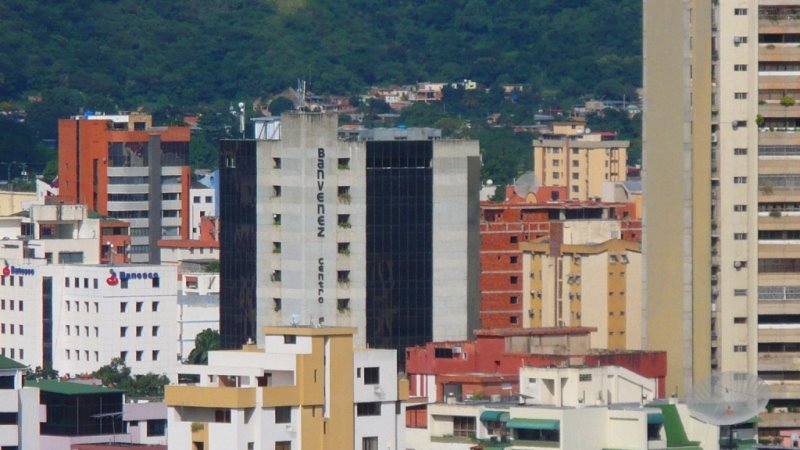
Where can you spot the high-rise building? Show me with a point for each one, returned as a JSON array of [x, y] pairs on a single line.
[[377, 231], [572, 156], [121, 166], [722, 180]]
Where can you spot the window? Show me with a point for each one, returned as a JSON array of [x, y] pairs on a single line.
[[154, 330], [585, 377], [154, 355], [289, 339], [283, 445], [740, 11], [343, 248], [739, 180], [154, 306], [739, 348], [157, 427], [276, 163], [513, 259], [156, 282], [343, 163], [368, 409], [740, 151], [740, 40], [123, 307], [463, 426], [512, 319], [556, 175], [514, 299], [740, 95], [740, 236], [740, 208], [514, 280], [123, 356], [276, 191], [139, 355], [139, 306], [372, 375], [223, 416], [513, 239], [66, 281], [276, 304], [196, 199], [283, 414], [740, 292], [139, 331], [740, 67], [123, 331], [442, 352], [740, 320], [230, 161], [343, 304], [369, 443]]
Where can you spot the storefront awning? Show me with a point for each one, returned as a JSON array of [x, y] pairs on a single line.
[[534, 424], [494, 416]]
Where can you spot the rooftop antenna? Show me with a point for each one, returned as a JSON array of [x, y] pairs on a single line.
[[294, 319], [727, 398]]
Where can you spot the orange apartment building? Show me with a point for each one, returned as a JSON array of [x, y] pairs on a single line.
[[504, 226], [123, 167]]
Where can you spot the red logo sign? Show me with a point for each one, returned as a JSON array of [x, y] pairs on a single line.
[[112, 280], [6, 270]]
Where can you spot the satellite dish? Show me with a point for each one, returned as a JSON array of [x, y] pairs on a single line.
[[526, 183], [728, 398]]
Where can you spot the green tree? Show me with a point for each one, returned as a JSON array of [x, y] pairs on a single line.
[[149, 385], [41, 373], [204, 342], [115, 374], [280, 105]]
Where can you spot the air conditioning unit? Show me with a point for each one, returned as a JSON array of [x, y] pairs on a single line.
[[378, 391], [577, 259], [456, 350]]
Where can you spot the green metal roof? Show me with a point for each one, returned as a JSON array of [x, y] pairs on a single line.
[[494, 416], [534, 424], [68, 388], [8, 363]]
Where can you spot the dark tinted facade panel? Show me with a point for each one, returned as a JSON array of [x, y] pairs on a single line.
[[237, 186], [399, 244]]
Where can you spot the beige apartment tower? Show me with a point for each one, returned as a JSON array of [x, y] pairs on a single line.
[[722, 180], [574, 157]]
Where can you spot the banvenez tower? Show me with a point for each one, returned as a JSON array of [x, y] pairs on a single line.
[[375, 229]]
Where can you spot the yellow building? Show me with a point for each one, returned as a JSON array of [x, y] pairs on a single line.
[[307, 389], [594, 285], [581, 161]]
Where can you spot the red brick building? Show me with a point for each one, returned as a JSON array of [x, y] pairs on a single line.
[[503, 226]]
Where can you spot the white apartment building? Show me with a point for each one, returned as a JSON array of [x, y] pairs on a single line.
[[201, 204], [198, 308], [19, 408], [78, 318], [306, 388], [570, 408]]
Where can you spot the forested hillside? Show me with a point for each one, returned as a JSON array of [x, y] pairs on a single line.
[[145, 52], [171, 58]]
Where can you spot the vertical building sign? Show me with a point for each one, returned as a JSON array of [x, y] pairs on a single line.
[[321, 222]]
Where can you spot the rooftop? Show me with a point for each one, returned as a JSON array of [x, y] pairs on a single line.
[[70, 388], [554, 331], [8, 363]]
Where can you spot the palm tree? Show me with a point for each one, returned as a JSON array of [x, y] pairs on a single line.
[[204, 342]]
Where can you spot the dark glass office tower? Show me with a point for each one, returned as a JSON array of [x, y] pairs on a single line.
[[238, 313], [399, 244]]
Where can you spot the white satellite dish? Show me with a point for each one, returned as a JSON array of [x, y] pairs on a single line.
[[728, 398]]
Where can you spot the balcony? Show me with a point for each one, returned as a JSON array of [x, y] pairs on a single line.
[[779, 24], [769, 110], [210, 396], [778, 52], [779, 420]]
